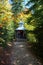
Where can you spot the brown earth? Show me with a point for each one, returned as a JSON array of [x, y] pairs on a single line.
[[18, 53]]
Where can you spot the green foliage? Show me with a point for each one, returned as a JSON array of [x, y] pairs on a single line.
[[37, 16], [10, 31], [3, 35], [31, 37], [17, 6], [7, 26]]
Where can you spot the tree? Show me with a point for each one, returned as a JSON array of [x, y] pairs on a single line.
[[38, 21], [17, 6], [6, 22]]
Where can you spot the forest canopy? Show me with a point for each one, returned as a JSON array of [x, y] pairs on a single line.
[[31, 12]]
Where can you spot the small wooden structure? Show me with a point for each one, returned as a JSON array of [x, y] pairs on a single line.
[[20, 31]]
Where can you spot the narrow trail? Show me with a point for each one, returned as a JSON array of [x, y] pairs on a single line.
[[17, 53]]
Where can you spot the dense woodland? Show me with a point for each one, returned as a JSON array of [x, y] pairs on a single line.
[[10, 15]]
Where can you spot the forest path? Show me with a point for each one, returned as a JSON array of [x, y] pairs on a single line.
[[18, 53]]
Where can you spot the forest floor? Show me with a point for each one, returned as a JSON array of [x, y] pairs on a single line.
[[18, 53]]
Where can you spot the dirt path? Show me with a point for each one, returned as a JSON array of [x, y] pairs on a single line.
[[17, 53]]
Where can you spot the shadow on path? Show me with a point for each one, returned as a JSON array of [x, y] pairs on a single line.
[[17, 53]]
